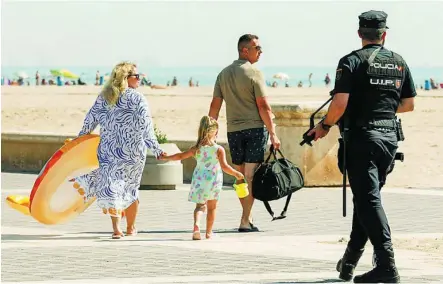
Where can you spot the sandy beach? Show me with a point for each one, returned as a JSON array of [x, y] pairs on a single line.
[[176, 112]]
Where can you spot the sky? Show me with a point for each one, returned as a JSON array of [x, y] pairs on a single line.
[[186, 34]]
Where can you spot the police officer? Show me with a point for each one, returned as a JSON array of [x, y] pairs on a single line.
[[372, 84]]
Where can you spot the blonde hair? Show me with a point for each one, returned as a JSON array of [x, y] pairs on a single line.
[[207, 126], [118, 81]]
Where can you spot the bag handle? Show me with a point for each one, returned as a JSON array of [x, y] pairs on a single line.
[[273, 152], [283, 213]]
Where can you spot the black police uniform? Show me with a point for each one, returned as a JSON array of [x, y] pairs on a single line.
[[376, 79]]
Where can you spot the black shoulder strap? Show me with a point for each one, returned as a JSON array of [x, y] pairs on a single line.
[[373, 55], [364, 55], [283, 213]]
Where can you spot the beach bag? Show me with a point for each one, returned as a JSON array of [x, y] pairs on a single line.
[[276, 179]]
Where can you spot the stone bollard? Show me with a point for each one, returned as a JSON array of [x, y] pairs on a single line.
[[162, 174], [317, 163]]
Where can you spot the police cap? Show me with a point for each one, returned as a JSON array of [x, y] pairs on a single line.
[[373, 20]]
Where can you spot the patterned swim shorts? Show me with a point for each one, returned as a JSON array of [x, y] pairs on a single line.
[[248, 146]]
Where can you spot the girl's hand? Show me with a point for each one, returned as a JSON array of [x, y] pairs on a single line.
[[163, 156], [239, 176]]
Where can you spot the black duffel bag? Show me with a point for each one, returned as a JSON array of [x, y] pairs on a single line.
[[276, 179]]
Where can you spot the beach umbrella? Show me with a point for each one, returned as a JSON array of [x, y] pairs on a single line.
[[69, 74], [281, 76], [64, 73], [21, 75]]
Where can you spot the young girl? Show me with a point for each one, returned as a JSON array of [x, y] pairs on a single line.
[[207, 180]]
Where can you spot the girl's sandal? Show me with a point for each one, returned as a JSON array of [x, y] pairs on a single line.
[[196, 236]]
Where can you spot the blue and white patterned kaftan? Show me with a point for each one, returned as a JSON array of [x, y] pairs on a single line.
[[126, 132]]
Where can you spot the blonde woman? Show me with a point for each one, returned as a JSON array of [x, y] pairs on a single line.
[[207, 180], [126, 132]]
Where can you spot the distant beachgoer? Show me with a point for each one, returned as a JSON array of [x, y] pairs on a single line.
[[310, 80], [191, 83], [97, 78], [37, 78], [327, 80], [433, 84], [80, 82], [300, 84], [174, 81], [286, 84], [126, 132], [207, 179], [144, 81]]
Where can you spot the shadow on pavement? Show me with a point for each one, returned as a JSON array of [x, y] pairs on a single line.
[[17, 237], [318, 281], [230, 231]]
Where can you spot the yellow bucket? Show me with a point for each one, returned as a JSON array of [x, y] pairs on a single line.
[[241, 189]]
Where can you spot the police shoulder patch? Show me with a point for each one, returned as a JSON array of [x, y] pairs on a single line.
[[338, 74]]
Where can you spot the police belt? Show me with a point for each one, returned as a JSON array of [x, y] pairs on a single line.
[[375, 124]]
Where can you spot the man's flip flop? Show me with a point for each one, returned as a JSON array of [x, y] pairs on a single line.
[[117, 236], [249, 230]]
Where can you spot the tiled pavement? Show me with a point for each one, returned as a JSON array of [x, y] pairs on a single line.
[[294, 250]]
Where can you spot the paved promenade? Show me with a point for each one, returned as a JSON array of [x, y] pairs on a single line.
[[303, 248]]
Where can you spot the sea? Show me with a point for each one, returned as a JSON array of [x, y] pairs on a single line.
[[205, 76]]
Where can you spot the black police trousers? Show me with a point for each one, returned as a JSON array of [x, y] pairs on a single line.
[[369, 154]]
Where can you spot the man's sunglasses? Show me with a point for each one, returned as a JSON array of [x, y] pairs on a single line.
[[257, 47], [135, 75]]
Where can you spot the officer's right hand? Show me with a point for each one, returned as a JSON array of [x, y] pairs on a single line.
[[318, 132], [275, 141]]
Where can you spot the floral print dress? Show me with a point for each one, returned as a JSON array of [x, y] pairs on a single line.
[[207, 180], [126, 132]]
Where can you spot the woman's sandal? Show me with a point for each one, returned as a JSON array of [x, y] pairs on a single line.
[[132, 234], [211, 236]]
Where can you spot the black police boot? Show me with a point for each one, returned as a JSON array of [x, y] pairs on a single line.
[[383, 272], [346, 265]]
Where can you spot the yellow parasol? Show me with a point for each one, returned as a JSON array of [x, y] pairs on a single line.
[[64, 73]]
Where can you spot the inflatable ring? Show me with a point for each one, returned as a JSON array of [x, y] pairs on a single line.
[[54, 200]]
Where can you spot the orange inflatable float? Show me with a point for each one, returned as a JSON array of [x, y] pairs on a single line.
[[53, 199]]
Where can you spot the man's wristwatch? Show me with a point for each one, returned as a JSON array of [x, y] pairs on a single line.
[[325, 126]]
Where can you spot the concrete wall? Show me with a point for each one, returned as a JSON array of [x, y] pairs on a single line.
[[317, 163], [27, 152]]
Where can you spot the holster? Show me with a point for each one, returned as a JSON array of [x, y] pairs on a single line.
[[399, 130]]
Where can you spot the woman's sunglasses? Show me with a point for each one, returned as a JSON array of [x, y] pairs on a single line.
[[135, 75]]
